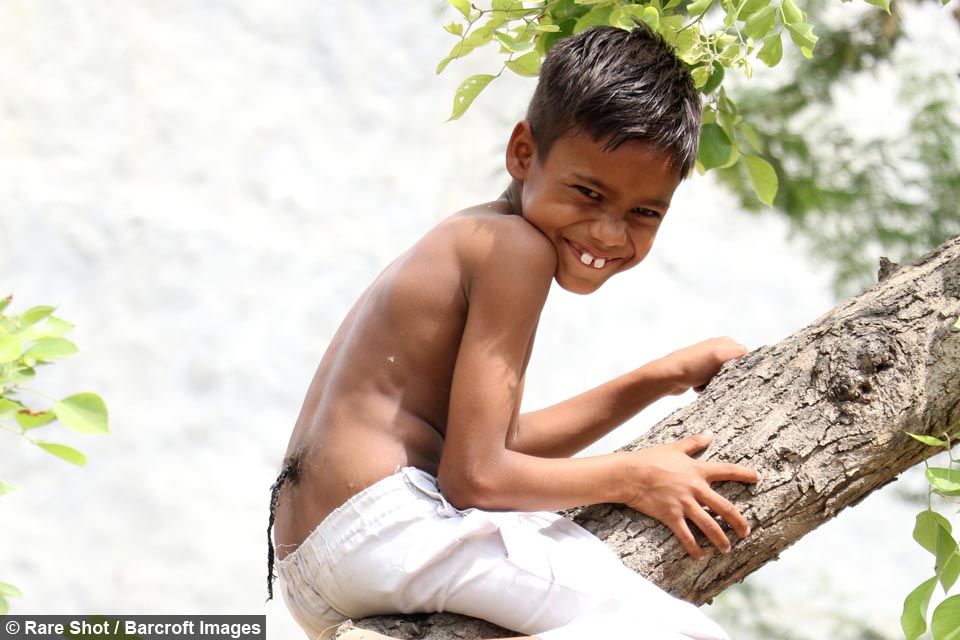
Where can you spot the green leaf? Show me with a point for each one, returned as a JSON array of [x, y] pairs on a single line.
[[927, 529], [944, 480], [730, 53], [715, 146], [763, 178], [883, 4], [455, 28], [750, 7], [751, 136], [946, 620], [670, 25], [716, 78], [463, 6], [701, 75], [913, 620], [33, 419], [688, 46], [761, 23], [594, 17], [57, 328], [512, 45], [477, 38], [10, 348], [21, 375], [928, 440], [698, 7], [480, 37], [527, 65], [635, 13], [651, 17], [4, 302], [6, 488], [53, 328], [83, 412], [802, 36], [63, 452], [7, 405], [957, 324], [38, 313], [772, 52], [467, 92], [7, 590], [790, 12], [948, 560], [51, 349], [443, 63], [734, 157]]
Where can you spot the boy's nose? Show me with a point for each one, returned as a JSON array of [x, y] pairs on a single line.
[[609, 230]]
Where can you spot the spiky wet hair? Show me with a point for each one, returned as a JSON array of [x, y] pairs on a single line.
[[615, 86]]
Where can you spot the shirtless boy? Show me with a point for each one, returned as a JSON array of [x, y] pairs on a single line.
[[413, 483]]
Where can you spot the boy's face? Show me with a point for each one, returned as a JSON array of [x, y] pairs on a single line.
[[601, 209]]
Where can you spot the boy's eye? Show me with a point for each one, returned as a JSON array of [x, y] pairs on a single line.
[[590, 193], [646, 213]]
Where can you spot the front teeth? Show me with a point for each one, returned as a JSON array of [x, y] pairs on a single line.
[[588, 259]]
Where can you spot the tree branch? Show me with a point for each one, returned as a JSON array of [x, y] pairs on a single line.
[[822, 416]]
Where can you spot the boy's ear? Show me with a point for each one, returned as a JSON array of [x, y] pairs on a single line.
[[521, 151]]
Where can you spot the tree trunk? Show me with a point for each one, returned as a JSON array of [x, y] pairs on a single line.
[[821, 415]]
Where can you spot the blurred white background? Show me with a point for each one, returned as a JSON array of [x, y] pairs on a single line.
[[205, 187]]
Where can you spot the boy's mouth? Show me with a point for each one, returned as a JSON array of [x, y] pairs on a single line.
[[588, 258]]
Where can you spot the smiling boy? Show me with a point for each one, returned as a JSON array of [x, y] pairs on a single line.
[[412, 483]]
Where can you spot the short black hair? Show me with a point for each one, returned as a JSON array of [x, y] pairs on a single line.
[[616, 85]]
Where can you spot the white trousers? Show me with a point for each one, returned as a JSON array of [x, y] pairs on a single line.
[[400, 547]]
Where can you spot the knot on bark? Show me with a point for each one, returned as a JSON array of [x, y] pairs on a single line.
[[848, 366], [887, 269]]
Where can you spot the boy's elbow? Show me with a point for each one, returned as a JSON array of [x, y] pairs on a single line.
[[466, 489]]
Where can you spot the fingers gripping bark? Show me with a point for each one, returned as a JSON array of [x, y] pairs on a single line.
[[671, 486]]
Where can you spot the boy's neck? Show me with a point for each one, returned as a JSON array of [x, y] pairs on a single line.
[[512, 196]]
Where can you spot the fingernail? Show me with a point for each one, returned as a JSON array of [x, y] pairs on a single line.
[[747, 533]]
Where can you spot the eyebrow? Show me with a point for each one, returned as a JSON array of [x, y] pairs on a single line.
[[601, 186]]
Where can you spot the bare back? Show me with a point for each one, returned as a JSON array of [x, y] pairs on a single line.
[[380, 396]]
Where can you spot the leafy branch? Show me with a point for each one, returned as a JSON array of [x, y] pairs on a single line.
[[28, 341], [710, 36], [934, 533]]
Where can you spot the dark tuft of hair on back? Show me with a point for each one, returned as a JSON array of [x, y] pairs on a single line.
[[616, 86]]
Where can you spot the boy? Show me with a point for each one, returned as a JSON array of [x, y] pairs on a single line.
[[412, 483]]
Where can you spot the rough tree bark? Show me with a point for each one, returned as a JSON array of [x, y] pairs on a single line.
[[821, 415]]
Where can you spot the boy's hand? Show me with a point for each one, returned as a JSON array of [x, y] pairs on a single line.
[[694, 366], [672, 487]]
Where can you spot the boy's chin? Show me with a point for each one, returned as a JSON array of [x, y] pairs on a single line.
[[580, 288], [576, 281]]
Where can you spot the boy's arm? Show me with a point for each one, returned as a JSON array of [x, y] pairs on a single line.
[[564, 429], [511, 273], [511, 278]]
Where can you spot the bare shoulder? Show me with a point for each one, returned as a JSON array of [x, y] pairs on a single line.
[[488, 239]]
